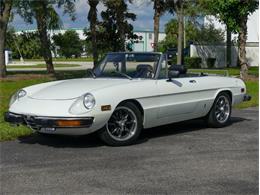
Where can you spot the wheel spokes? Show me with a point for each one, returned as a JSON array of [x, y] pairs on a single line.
[[222, 109], [122, 124]]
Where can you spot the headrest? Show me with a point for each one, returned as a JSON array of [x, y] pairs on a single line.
[[144, 67], [181, 68]]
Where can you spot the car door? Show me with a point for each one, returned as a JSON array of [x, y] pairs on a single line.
[[178, 98]]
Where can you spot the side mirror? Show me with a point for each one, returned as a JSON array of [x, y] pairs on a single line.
[[173, 74]]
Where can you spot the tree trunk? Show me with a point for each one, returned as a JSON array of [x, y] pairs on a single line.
[[180, 34], [43, 32], [228, 47], [156, 24], [2, 53], [92, 17], [120, 23], [242, 37], [5, 9]]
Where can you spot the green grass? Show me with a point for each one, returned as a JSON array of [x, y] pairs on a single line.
[[231, 71], [8, 87], [83, 59], [253, 90], [42, 66]]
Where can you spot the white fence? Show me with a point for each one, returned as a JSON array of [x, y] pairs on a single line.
[[219, 52]]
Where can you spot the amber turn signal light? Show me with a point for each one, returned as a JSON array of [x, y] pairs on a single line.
[[68, 123], [106, 107]]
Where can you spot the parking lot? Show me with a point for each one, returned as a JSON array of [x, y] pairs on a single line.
[[183, 158]]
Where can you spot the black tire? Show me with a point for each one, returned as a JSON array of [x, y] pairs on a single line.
[[214, 116], [112, 132]]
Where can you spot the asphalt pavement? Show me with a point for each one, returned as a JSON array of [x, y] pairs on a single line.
[[183, 158]]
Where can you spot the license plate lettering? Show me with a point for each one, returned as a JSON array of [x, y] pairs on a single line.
[[48, 129]]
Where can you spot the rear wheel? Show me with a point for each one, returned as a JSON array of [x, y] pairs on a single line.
[[123, 127], [220, 113]]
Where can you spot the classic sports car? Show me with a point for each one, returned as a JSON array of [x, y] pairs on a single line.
[[125, 93]]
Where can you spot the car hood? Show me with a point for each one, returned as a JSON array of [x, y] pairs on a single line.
[[70, 89]]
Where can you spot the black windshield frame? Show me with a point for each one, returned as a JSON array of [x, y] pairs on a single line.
[[124, 58]]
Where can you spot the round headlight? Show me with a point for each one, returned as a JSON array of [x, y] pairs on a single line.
[[21, 93], [89, 101]]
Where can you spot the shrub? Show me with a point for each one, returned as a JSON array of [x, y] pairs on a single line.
[[211, 62], [174, 60], [192, 62]]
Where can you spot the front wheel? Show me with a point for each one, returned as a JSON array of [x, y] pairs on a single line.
[[220, 113], [123, 127]]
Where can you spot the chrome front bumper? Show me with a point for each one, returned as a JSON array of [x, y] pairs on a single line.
[[38, 122]]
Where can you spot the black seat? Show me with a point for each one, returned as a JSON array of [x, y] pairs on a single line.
[[144, 71], [180, 68]]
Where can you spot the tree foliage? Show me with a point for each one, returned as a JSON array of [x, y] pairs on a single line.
[[194, 33], [112, 30], [25, 44], [115, 20], [235, 15], [204, 35], [103, 45], [46, 17], [69, 44], [230, 12]]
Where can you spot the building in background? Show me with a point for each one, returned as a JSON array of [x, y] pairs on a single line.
[[145, 40], [143, 43], [219, 51]]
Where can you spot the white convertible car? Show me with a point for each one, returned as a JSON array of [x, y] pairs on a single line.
[[124, 94]]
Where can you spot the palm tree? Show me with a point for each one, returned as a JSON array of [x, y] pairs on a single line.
[[46, 18], [177, 7], [159, 8], [41, 15], [92, 18], [118, 18], [5, 9]]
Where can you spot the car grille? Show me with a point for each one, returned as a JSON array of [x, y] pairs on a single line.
[[30, 121]]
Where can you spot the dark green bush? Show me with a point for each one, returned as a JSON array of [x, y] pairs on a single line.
[[192, 62], [174, 60], [211, 62]]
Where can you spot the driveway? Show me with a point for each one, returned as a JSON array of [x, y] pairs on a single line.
[[183, 158]]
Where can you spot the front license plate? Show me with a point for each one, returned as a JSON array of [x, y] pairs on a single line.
[[48, 129]]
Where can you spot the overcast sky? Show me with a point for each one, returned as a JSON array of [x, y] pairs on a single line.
[[142, 8]]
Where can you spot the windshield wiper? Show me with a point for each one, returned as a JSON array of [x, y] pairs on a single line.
[[123, 74], [91, 72]]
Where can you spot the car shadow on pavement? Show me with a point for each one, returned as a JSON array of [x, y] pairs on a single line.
[[91, 140], [181, 127]]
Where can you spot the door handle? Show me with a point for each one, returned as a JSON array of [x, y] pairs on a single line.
[[192, 81]]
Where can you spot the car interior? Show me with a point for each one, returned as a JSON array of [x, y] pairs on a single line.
[[144, 71]]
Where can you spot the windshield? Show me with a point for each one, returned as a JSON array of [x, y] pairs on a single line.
[[128, 65]]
